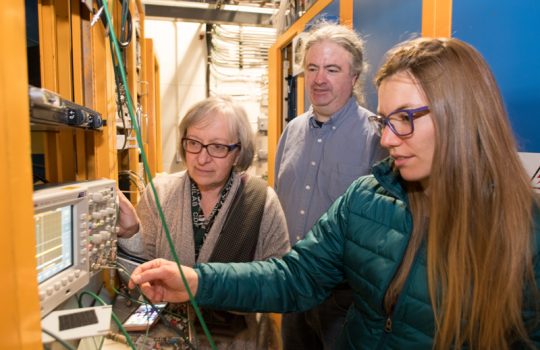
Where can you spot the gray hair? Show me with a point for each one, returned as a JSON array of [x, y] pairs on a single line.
[[239, 125], [347, 39]]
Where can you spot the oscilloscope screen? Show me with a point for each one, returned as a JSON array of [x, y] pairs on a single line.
[[54, 241]]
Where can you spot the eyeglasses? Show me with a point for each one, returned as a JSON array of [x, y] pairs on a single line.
[[216, 150], [400, 121]]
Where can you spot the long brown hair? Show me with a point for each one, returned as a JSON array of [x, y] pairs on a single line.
[[479, 232]]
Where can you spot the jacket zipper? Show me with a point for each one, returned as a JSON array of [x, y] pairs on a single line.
[[388, 323]]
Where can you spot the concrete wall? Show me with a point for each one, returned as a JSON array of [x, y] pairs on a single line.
[[181, 50]]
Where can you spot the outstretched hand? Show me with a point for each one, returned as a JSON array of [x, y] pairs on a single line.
[[160, 280]]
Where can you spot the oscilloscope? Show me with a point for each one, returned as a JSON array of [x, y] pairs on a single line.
[[75, 237]]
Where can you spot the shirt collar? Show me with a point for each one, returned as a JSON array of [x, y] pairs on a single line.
[[338, 117]]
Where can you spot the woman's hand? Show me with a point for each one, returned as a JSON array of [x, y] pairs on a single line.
[[128, 221], [160, 280]]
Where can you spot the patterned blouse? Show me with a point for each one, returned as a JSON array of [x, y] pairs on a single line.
[[202, 225]]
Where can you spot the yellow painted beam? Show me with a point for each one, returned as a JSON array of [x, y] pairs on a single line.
[[150, 99], [346, 12], [56, 67], [300, 94], [437, 18], [47, 47], [159, 139], [78, 86], [20, 321], [275, 107], [101, 146], [64, 45]]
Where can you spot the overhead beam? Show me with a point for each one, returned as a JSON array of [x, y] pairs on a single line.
[[208, 15]]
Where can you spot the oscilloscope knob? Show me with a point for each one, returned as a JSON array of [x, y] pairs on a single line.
[[105, 235], [97, 197], [96, 238]]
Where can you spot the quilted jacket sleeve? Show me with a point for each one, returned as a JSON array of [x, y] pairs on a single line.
[[299, 281]]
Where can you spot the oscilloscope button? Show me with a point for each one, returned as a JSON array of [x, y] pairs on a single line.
[[64, 281], [77, 273], [96, 238], [42, 295], [97, 197], [105, 235], [49, 290], [57, 286]]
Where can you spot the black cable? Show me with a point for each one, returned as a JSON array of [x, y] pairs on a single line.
[[116, 69], [37, 178], [126, 28]]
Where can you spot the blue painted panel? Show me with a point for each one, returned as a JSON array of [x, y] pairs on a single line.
[[507, 34], [330, 12], [383, 24]]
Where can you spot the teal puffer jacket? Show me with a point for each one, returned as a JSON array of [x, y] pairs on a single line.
[[361, 239]]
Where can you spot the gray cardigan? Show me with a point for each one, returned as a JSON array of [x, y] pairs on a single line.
[[174, 194]]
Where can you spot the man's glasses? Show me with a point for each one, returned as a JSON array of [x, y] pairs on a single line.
[[400, 121], [216, 150]]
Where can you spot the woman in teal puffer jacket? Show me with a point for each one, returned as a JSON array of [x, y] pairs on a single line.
[[441, 245]]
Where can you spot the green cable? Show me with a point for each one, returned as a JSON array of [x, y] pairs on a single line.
[[64, 343], [114, 317], [149, 175]]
